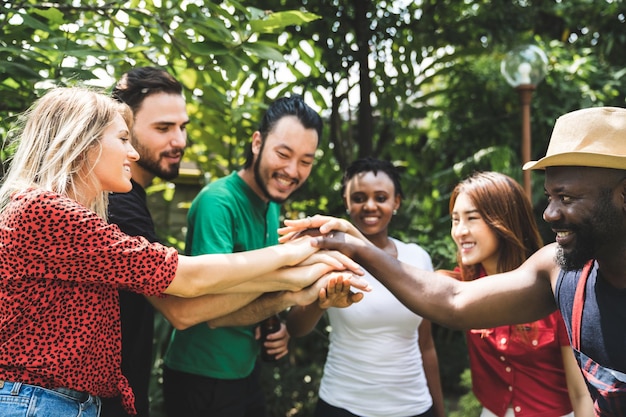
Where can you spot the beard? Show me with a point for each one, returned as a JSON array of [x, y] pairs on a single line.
[[591, 234], [153, 165]]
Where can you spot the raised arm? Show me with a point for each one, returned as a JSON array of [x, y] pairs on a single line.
[[304, 274], [215, 273], [488, 302], [519, 296]]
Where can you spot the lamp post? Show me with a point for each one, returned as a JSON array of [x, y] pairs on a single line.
[[523, 68]]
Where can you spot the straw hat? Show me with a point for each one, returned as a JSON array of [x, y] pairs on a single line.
[[594, 137]]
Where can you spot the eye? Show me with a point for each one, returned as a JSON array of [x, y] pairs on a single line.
[[357, 199], [565, 199]]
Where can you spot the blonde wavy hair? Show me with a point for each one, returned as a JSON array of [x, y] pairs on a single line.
[[53, 140]]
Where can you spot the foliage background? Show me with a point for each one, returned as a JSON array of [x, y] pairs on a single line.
[[416, 82]]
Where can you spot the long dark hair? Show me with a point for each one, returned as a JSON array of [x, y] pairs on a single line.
[[501, 202], [503, 205]]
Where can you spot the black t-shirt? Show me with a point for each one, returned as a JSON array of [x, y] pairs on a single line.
[[130, 212]]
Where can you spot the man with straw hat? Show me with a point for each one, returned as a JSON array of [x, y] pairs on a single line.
[[583, 273]]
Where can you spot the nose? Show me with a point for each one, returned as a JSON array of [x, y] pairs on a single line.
[[133, 155], [370, 204], [459, 230], [291, 168], [179, 138], [552, 213]]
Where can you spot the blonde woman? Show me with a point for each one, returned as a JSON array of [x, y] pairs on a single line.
[[61, 264]]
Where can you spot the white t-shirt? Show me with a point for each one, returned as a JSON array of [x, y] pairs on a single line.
[[374, 364]]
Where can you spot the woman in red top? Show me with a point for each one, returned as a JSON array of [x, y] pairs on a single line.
[[525, 370], [61, 263]]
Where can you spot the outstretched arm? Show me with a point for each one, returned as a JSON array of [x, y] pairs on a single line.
[[263, 307], [519, 296], [337, 292], [271, 303], [183, 313]]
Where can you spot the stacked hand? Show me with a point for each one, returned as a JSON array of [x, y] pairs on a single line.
[[334, 289], [329, 233]]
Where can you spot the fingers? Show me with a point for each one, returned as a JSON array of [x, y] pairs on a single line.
[[335, 260], [359, 283], [327, 222], [277, 343], [355, 297]]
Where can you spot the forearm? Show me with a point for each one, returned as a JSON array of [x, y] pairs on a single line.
[[292, 278], [186, 312], [576, 387], [263, 307], [433, 378], [301, 320], [487, 302], [216, 273]]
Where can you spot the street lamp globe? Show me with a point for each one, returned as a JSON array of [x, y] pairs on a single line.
[[524, 65]]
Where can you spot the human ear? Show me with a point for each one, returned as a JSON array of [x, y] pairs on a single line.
[[257, 142]]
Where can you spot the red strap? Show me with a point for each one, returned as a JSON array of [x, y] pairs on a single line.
[[579, 301]]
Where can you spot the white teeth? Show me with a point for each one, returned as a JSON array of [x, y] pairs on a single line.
[[467, 245], [283, 181], [563, 234]]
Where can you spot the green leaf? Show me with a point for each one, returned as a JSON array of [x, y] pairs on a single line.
[[52, 14], [277, 21], [264, 51]]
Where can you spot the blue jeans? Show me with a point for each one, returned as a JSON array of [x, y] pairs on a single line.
[[23, 400]]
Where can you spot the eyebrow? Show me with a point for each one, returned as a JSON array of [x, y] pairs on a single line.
[[168, 123], [467, 211]]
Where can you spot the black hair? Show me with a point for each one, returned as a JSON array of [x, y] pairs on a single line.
[[374, 165], [139, 83], [286, 106]]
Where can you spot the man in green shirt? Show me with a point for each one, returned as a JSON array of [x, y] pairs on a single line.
[[212, 371]]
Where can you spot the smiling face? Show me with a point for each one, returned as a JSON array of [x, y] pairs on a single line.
[[111, 159], [159, 135], [370, 200], [283, 161], [584, 212], [476, 241]]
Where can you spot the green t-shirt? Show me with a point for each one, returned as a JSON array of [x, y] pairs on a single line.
[[225, 217]]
